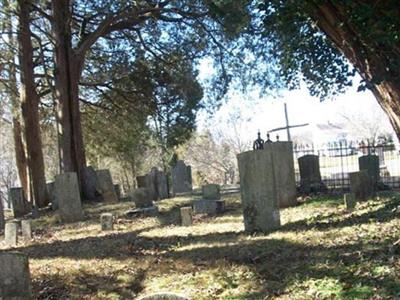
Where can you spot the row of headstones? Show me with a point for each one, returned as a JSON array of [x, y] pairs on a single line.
[[362, 182], [15, 279]]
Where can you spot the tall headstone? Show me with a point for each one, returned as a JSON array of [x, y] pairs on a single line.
[[370, 163], [211, 191], [181, 178], [106, 186], [142, 198], [310, 174], [15, 281], [162, 185], [11, 234], [258, 190], [92, 189], [20, 205], [156, 183], [361, 184], [283, 166], [68, 197]]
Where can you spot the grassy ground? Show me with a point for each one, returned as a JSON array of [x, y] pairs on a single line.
[[320, 252]]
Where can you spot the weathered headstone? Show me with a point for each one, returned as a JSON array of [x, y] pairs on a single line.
[[26, 229], [20, 205], [91, 188], [186, 216], [205, 207], [15, 282], [50, 188], [349, 201], [142, 198], [162, 185], [68, 197], [11, 234], [164, 296], [106, 186], [211, 191], [310, 174], [283, 165], [220, 206], [370, 163], [107, 221], [156, 183], [361, 184], [258, 190], [181, 178]]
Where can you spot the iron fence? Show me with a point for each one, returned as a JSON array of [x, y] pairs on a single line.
[[338, 159]]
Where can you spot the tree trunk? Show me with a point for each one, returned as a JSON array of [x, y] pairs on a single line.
[[369, 61], [67, 75], [30, 108], [2, 220]]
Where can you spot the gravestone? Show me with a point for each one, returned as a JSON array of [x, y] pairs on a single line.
[[205, 207], [117, 189], [162, 185], [310, 174], [156, 182], [106, 186], [361, 184], [181, 178], [142, 198], [258, 190], [91, 188], [283, 166], [50, 188], [186, 216], [11, 234], [164, 296], [107, 221], [68, 197], [26, 229], [370, 163], [20, 205], [349, 201], [211, 191], [15, 281]]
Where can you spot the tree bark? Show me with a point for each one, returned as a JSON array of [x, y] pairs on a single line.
[[2, 220], [30, 108], [370, 62], [67, 76]]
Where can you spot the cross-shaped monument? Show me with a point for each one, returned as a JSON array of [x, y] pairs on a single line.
[[287, 127]]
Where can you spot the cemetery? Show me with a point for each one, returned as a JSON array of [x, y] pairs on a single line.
[[144, 153]]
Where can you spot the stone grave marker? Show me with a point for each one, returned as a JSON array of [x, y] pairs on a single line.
[[117, 189], [283, 166], [15, 281], [361, 184], [156, 182], [106, 186], [20, 205], [68, 197], [205, 206], [142, 198], [181, 178], [26, 229], [186, 216], [164, 296], [349, 201], [211, 191], [310, 174], [11, 233], [370, 163], [162, 185], [107, 221], [258, 189], [92, 189]]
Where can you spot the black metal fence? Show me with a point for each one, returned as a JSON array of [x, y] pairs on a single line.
[[338, 159]]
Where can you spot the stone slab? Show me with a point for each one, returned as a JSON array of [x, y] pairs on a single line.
[[361, 184], [15, 281], [142, 198], [11, 234], [370, 163], [211, 191], [349, 201], [106, 186], [107, 221], [68, 197], [205, 207], [310, 174], [186, 216], [181, 178], [26, 229], [146, 211], [20, 205]]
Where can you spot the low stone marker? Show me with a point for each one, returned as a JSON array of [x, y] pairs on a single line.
[[349, 201], [26, 229], [361, 184], [106, 186], [205, 207], [15, 281], [68, 197], [107, 221], [11, 234], [20, 205], [258, 190], [186, 216], [142, 198], [211, 191], [164, 296], [220, 206]]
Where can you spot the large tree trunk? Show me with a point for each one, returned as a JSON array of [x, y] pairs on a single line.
[[2, 220], [30, 108], [363, 53], [67, 76]]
